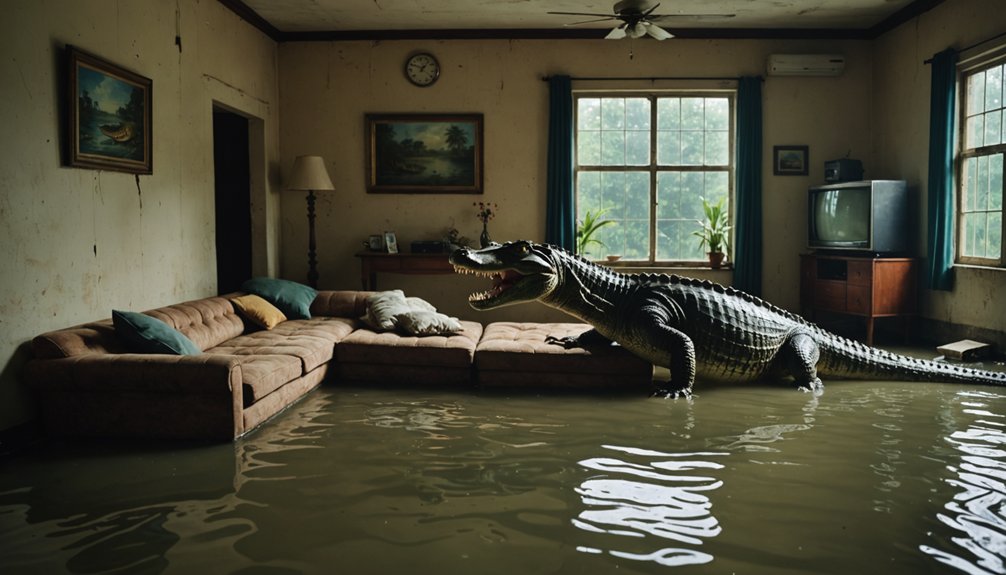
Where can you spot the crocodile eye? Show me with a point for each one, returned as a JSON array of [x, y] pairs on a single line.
[[524, 248]]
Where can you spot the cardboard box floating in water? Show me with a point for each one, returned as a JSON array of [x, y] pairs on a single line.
[[965, 350]]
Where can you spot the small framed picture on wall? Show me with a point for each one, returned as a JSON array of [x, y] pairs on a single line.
[[790, 160], [391, 242]]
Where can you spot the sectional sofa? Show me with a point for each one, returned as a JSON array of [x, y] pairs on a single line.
[[91, 381]]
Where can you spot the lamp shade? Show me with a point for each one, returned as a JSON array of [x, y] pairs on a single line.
[[309, 173]]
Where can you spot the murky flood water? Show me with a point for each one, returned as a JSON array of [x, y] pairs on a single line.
[[867, 478]]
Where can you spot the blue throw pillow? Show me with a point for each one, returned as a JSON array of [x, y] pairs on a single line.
[[292, 298], [145, 334]]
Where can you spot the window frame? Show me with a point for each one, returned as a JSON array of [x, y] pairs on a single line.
[[964, 71], [654, 168]]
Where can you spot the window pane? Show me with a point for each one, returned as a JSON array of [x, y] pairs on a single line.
[[995, 234], [993, 127], [588, 193], [970, 180], [612, 148], [692, 113], [717, 148], [996, 182], [612, 114], [668, 113], [668, 148], [975, 131], [976, 94], [982, 184], [637, 148], [588, 148], [588, 114], [637, 114], [994, 88], [717, 114], [692, 148]]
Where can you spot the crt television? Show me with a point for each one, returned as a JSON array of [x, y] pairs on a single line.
[[871, 217]]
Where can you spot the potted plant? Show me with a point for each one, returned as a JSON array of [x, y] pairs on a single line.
[[586, 228], [714, 232]]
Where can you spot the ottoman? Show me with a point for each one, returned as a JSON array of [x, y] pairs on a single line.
[[370, 357], [516, 354]]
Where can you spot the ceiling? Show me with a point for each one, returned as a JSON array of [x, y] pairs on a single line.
[[352, 19]]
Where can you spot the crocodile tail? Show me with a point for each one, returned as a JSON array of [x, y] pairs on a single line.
[[841, 357]]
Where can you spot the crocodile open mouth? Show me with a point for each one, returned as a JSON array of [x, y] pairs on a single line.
[[502, 281]]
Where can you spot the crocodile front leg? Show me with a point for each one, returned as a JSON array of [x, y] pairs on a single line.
[[680, 360]]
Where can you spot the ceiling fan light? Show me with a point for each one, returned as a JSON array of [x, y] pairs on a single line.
[[637, 30]]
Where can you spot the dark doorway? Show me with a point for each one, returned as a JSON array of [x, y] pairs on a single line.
[[233, 200]]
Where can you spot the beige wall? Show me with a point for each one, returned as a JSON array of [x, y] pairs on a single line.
[[901, 117], [326, 88], [76, 243]]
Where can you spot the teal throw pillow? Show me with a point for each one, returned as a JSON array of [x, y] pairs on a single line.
[[145, 334], [292, 298]]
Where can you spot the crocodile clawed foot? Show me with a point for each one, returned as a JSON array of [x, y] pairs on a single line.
[[672, 393], [568, 342], [815, 386]]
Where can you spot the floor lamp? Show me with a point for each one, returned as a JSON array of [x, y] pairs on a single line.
[[310, 175]]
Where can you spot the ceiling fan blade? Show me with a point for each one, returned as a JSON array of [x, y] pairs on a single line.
[[616, 33], [657, 32], [589, 21], [582, 14], [650, 11], [664, 17]]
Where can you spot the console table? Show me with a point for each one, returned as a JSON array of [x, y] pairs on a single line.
[[373, 262], [863, 286]]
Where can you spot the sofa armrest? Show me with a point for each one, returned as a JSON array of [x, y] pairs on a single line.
[[137, 395], [154, 373], [340, 303]]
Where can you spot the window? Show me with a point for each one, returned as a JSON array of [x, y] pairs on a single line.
[[646, 162], [980, 185]]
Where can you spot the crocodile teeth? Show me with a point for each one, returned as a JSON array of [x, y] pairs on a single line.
[[477, 273]]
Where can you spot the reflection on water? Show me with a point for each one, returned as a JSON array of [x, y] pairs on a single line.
[[976, 514], [653, 495]]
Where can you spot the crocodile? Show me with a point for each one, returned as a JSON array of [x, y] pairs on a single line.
[[694, 328]]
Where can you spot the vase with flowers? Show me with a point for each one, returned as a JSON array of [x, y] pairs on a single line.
[[486, 211]]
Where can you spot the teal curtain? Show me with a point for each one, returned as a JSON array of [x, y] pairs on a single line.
[[748, 222], [560, 207], [940, 221]]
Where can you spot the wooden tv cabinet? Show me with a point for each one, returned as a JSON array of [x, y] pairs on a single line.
[[869, 287]]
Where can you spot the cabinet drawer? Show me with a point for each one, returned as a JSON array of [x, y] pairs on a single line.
[[829, 296], [860, 272], [859, 300]]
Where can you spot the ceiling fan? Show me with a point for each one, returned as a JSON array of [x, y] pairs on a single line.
[[638, 19]]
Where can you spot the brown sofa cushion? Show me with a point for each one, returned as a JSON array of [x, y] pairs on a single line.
[[311, 341], [389, 348], [207, 322], [517, 354]]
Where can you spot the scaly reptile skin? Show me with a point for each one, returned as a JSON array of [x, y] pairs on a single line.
[[694, 328]]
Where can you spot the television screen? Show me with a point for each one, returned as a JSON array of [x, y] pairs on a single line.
[[842, 216]]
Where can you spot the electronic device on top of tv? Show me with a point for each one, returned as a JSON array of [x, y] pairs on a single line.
[[872, 217]]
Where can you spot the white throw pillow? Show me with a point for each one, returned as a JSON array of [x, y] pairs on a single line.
[[427, 323]]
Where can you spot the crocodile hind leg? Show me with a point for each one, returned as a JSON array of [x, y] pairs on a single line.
[[800, 359]]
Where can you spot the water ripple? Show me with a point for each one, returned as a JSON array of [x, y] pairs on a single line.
[[977, 513], [648, 507]]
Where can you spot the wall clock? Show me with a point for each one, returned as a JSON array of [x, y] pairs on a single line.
[[422, 69]]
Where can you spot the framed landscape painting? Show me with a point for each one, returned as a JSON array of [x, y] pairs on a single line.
[[108, 114], [790, 160], [424, 153]]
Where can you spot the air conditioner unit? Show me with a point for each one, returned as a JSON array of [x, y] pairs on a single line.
[[806, 64]]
